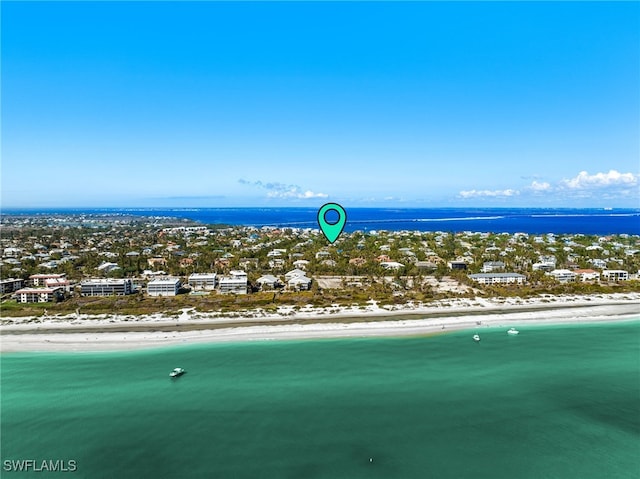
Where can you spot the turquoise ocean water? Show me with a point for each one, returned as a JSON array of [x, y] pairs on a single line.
[[553, 402]]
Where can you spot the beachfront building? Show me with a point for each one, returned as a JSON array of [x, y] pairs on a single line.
[[587, 275], [235, 283], [615, 275], [106, 287], [164, 287], [268, 281], [498, 278], [299, 283], [38, 295], [203, 281], [10, 285], [39, 279], [293, 273], [563, 275], [63, 283]]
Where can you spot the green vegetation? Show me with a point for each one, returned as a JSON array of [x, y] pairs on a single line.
[[348, 272]]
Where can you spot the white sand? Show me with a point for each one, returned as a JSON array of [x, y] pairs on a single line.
[[57, 333]]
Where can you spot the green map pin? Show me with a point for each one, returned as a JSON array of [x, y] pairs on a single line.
[[331, 231]]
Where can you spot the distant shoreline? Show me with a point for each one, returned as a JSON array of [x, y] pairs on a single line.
[[537, 220], [107, 333]]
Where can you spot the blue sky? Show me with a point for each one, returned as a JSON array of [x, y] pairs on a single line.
[[274, 104]]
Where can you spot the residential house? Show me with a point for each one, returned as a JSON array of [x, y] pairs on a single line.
[[301, 264], [248, 263], [457, 265], [356, 261], [153, 262], [299, 283], [543, 266], [492, 266], [391, 265], [107, 267], [587, 275], [11, 252], [268, 281], [293, 273], [186, 262], [426, 265], [598, 263], [276, 263]]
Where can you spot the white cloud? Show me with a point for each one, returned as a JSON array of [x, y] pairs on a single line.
[[280, 190], [488, 193], [540, 186], [600, 180], [584, 187]]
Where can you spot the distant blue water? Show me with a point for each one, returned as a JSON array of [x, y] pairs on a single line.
[[509, 220]]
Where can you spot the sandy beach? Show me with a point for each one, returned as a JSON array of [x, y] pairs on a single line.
[[78, 332]]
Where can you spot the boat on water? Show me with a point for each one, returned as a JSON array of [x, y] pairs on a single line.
[[177, 372], [476, 337], [513, 331]]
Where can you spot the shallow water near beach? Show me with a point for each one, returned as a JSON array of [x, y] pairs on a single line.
[[552, 402]]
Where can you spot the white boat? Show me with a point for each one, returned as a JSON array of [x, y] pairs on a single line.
[[177, 372], [476, 337], [513, 331]]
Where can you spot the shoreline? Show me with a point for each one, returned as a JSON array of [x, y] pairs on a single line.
[[73, 333]]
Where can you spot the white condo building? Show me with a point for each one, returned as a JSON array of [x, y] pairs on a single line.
[[236, 282], [164, 287], [563, 275], [615, 275], [498, 278], [106, 287], [37, 295], [206, 281]]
